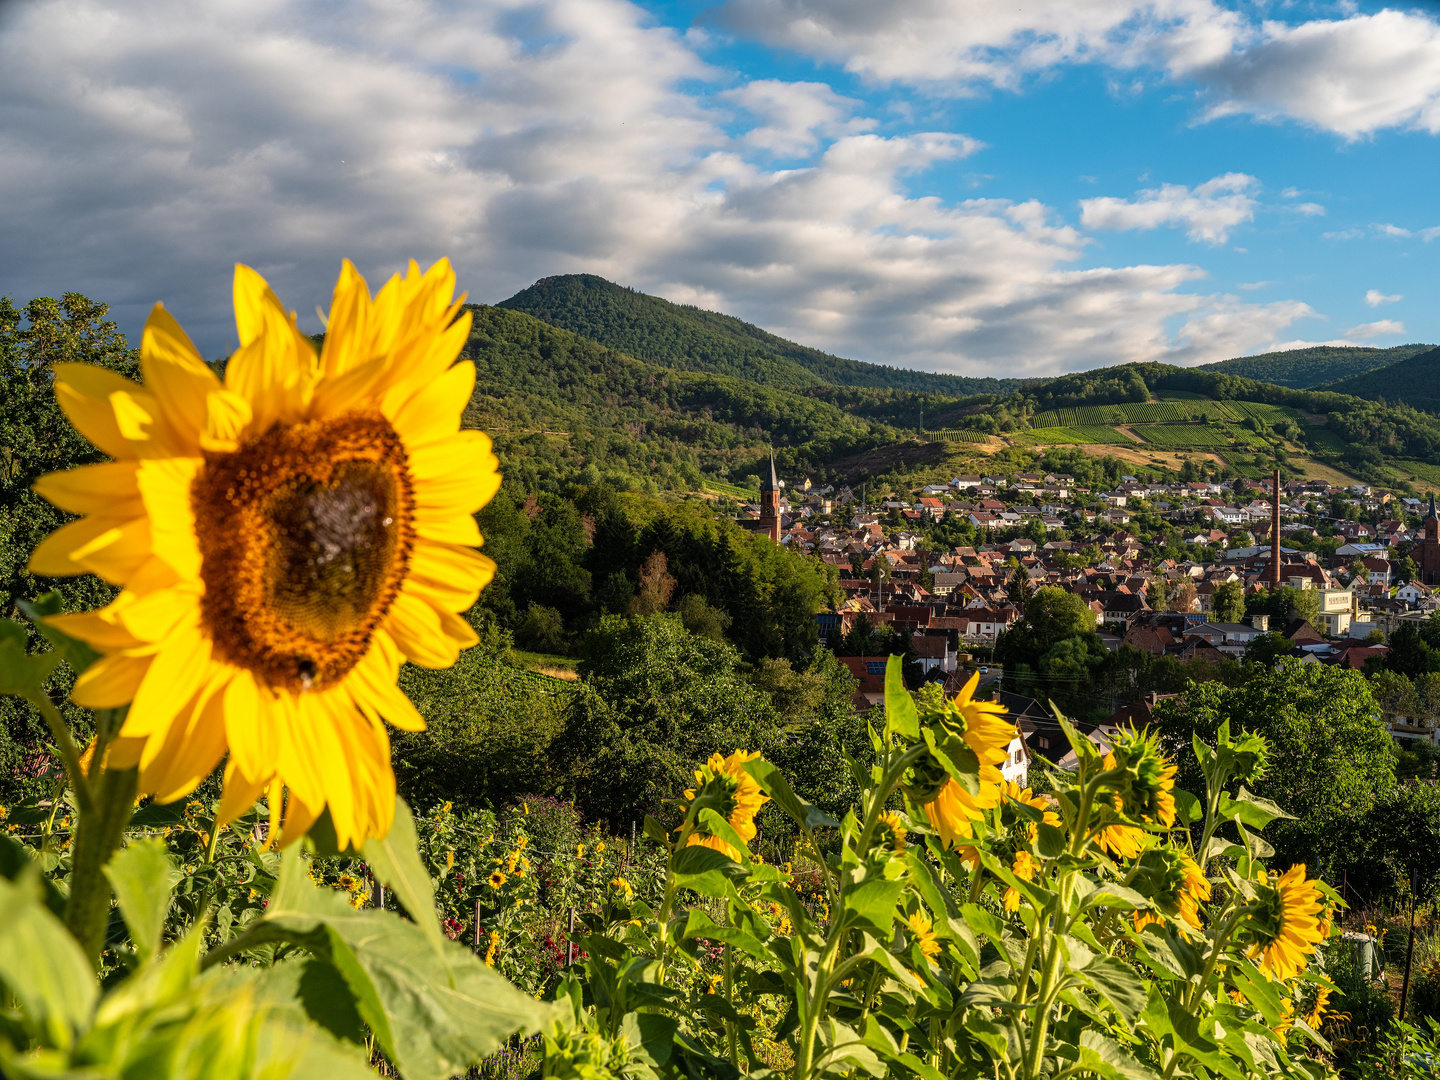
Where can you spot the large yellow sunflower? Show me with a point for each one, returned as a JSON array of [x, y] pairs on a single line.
[[739, 796], [1287, 923], [286, 539]]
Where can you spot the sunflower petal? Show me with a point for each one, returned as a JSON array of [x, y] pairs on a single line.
[[109, 489], [177, 376], [83, 392]]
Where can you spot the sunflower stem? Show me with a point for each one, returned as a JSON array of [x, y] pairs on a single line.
[[98, 834]]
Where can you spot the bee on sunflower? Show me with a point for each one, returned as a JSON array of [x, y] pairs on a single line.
[[285, 538], [1284, 926], [733, 794]]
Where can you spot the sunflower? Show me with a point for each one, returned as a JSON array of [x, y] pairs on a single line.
[[891, 831], [954, 810], [1144, 778], [490, 951], [737, 796], [924, 931], [496, 879], [620, 885], [1180, 887], [1024, 867], [286, 538], [1286, 924], [977, 722]]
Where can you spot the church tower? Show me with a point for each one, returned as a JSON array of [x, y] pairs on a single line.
[[1427, 551], [770, 502]]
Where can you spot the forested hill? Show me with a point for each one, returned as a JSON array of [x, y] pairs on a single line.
[[1304, 369], [555, 401], [681, 336], [1414, 381]]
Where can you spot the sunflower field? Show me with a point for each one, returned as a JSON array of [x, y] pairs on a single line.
[[282, 539]]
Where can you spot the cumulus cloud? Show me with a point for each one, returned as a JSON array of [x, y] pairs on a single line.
[[1352, 75], [144, 148], [1374, 297], [795, 116], [1207, 212], [1368, 330]]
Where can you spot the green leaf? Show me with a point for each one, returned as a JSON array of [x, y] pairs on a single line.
[[774, 784], [73, 651], [1250, 809], [22, 674], [396, 862], [900, 715], [1114, 981], [143, 876], [1103, 1055], [871, 904], [435, 1012], [42, 966], [700, 925], [16, 860], [651, 1036], [1113, 894], [698, 859], [1188, 808]]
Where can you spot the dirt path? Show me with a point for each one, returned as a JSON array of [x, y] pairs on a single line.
[[1129, 433]]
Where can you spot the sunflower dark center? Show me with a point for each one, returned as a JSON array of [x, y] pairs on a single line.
[[305, 536]]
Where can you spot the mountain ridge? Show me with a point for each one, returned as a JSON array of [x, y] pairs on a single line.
[[1315, 366], [687, 337]]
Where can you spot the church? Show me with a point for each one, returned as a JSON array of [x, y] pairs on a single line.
[[1427, 548]]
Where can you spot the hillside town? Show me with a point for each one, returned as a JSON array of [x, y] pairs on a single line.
[[1360, 562]]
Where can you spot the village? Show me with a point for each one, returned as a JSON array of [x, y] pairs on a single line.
[[1361, 563]]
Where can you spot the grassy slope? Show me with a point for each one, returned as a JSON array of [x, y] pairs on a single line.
[[1302, 369], [682, 336]]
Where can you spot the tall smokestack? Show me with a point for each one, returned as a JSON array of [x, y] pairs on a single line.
[[1275, 530]]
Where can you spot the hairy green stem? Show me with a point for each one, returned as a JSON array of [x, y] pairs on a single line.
[[98, 833]]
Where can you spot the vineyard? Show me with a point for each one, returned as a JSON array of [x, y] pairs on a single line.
[[1183, 435], [966, 435], [1163, 412], [1326, 441], [1074, 436]]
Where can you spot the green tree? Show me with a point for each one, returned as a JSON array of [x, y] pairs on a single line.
[[656, 701], [1265, 649], [1228, 602], [36, 438], [1331, 759]]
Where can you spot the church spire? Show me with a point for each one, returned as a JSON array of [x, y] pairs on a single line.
[[769, 482]]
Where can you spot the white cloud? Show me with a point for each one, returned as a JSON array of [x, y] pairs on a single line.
[[1309, 209], [1353, 75], [1374, 297], [1344, 234], [1368, 330], [1394, 231], [1430, 234], [144, 149], [1207, 212], [796, 116]]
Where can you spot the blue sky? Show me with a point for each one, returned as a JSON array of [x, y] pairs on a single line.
[[983, 188]]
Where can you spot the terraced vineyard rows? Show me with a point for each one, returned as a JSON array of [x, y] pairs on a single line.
[[966, 435], [1077, 436], [1183, 435], [1158, 412]]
